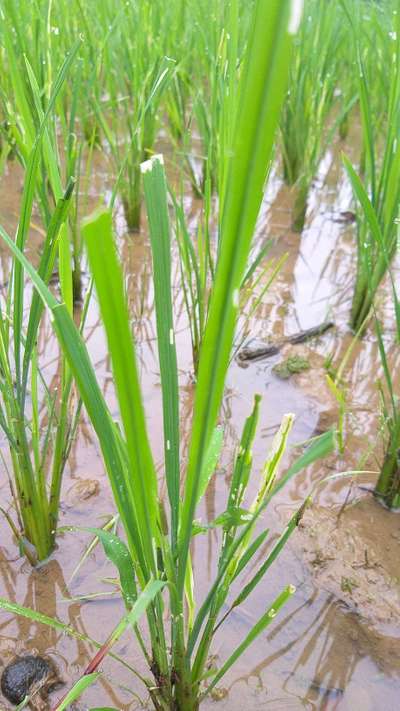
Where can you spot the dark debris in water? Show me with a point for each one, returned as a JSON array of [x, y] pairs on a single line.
[[29, 675]]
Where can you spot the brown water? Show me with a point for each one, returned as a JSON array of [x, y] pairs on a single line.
[[336, 645]]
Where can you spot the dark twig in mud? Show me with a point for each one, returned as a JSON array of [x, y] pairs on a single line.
[[266, 351]]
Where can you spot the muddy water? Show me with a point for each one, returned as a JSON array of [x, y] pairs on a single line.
[[337, 644]]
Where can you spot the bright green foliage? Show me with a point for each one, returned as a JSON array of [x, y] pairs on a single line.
[[157, 551], [77, 690], [388, 485], [38, 455], [216, 78], [198, 253], [378, 194], [312, 96]]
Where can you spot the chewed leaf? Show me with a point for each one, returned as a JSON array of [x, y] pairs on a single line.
[[117, 552], [244, 457], [189, 592], [236, 516], [276, 453], [320, 447], [198, 527]]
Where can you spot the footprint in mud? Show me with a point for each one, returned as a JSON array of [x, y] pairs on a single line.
[[30, 676]]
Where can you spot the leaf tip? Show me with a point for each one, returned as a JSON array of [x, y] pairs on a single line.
[[148, 165]]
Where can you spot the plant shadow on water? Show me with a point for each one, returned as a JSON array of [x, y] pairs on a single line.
[[321, 654]]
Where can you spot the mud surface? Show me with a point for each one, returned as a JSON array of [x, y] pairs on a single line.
[[337, 644], [354, 553]]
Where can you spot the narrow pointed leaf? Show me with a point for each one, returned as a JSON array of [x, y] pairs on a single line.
[[77, 690], [142, 484], [155, 190], [262, 87], [258, 628]]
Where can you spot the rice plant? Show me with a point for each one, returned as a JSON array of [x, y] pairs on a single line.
[[378, 226], [199, 247], [217, 55], [139, 75], [177, 647], [198, 250], [387, 488], [219, 79], [378, 195], [23, 117], [38, 452], [311, 99]]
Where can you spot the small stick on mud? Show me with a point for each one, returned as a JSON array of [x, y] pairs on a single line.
[[266, 351]]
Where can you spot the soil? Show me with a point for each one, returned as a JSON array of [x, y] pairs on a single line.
[[356, 559], [336, 646]]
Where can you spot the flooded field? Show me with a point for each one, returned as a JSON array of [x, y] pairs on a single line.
[[336, 645]]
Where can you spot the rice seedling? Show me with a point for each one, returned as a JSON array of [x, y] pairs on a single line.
[[378, 195], [311, 100], [198, 252], [214, 76], [38, 452], [382, 248], [205, 81], [24, 114], [217, 55], [387, 488], [115, 94], [199, 248], [158, 548], [128, 118], [377, 244]]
